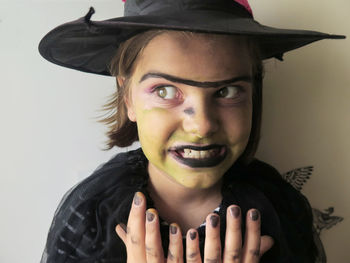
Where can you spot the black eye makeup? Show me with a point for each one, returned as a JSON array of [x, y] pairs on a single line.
[[206, 84]]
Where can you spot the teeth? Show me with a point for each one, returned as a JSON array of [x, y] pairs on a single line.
[[188, 153]]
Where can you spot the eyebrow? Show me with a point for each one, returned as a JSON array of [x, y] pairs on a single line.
[[205, 84]]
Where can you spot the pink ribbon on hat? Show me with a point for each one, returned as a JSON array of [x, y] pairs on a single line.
[[245, 4]]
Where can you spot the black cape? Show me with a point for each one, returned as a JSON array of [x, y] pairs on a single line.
[[83, 226]]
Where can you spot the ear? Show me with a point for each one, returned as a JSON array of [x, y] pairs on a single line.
[[127, 100], [130, 109], [120, 81]]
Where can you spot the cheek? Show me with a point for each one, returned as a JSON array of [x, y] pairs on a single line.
[[238, 124], [154, 126]]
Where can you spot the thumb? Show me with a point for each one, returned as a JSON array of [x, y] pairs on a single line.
[[121, 231], [265, 244]]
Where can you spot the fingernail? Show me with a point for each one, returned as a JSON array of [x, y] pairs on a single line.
[[254, 215], [137, 199], [173, 229], [123, 226], [235, 211], [150, 216], [193, 235], [214, 220]]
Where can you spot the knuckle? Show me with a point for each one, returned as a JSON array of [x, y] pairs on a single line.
[[216, 259], [150, 251], [236, 258], [212, 260], [234, 255], [192, 257], [254, 252], [172, 257], [134, 240]]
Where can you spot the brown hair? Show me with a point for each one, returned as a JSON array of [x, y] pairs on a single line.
[[123, 132]]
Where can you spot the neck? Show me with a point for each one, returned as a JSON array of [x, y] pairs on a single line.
[[178, 204]]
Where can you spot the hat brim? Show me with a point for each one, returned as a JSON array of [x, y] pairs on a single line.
[[89, 46]]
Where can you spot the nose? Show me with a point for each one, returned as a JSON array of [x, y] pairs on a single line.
[[200, 118]]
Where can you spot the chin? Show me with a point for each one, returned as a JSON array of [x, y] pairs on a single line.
[[202, 178]]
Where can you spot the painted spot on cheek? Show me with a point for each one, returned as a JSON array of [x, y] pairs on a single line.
[[189, 111]]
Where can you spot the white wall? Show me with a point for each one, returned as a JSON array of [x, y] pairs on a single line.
[[50, 138], [49, 135], [306, 118]]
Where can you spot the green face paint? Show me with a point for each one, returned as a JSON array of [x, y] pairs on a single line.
[[160, 129], [219, 127]]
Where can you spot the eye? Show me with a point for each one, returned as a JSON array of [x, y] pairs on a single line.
[[166, 92], [228, 92]]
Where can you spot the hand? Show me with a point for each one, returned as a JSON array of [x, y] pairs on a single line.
[[255, 245], [142, 236], [143, 243]]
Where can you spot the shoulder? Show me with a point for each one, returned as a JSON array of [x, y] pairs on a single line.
[[109, 176], [291, 205], [257, 167], [269, 179], [284, 197], [84, 222]]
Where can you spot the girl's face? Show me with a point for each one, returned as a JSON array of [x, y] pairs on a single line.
[[191, 97]]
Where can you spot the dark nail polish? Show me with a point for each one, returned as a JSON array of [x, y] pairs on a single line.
[[137, 199], [254, 215], [150, 216], [214, 220], [235, 211], [173, 229], [123, 226], [193, 235]]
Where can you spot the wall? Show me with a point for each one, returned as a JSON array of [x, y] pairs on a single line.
[[50, 138], [49, 135], [306, 118]]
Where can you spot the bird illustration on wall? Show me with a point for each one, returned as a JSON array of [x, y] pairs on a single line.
[[325, 219], [298, 177], [321, 219]]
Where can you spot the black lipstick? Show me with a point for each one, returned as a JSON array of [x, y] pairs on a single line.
[[177, 153]]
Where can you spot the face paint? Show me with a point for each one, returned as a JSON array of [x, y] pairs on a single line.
[[189, 111], [194, 152], [201, 84]]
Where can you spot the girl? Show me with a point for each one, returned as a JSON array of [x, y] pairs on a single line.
[[189, 89]]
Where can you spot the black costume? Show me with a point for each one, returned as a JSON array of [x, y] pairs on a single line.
[[83, 227]]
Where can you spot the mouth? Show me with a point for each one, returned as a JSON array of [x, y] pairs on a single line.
[[199, 156]]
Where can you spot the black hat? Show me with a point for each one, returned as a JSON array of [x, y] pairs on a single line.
[[89, 46]]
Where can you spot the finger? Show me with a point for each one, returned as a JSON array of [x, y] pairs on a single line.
[[265, 244], [121, 231], [136, 230], [233, 240], [212, 246], [251, 248], [192, 247], [154, 249], [175, 252]]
